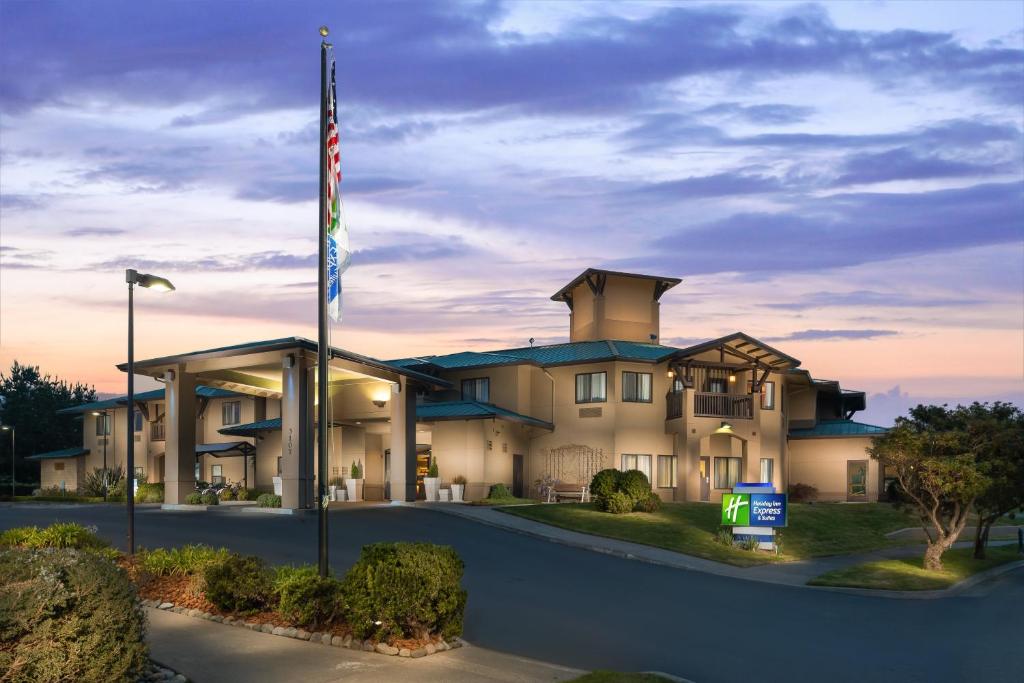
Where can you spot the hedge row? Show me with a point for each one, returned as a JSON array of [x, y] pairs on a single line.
[[621, 492]]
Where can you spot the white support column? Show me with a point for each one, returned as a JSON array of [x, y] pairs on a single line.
[[403, 441], [180, 434], [297, 421]]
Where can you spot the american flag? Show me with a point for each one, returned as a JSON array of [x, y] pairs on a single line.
[[338, 254]]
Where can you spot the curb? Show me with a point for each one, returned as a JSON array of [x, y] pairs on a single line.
[[900, 595]]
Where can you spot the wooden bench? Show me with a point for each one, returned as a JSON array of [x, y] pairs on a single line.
[[578, 492]]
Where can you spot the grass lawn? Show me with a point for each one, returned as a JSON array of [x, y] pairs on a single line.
[[907, 574], [60, 499], [617, 677], [508, 500], [814, 530]]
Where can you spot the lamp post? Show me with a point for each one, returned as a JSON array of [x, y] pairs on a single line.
[[10, 428], [106, 437], [133, 277]]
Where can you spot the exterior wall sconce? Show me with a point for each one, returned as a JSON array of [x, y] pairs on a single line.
[[671, 374], [732, 378], [380, 397], [725, 428]]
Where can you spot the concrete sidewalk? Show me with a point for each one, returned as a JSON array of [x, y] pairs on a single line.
[[208, 652], [786, 574]]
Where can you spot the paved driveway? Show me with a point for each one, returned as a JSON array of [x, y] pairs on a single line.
[[587, 610]]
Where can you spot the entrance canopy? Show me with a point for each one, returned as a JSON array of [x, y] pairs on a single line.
[[225, 450]]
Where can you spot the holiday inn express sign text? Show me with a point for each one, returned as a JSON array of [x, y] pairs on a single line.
[[754, 509]]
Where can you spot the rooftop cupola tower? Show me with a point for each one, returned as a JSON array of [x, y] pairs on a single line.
[[605, 304]]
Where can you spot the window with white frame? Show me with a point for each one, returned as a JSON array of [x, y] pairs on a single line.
[[634, 461], [140, 473], [767, 395], [476, 389], [666, 471], [636, 387], [216, 474], [592, 387], [767, 470], [727, 472], [231, 412], [103, 424]]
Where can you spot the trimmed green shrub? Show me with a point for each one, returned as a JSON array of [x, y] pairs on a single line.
[[149, 493], [635, 485], [209, 498], [605, 483], [227, 494], [194, 498], [618, 503], [407, 590], [20, 537], [268, 500], [68, 615], [432, 470], [184, 561], [59, 535], [356, 471], [238, 583], [651, 503], [499, 491], [243, 494], [305, 597], [802, 493]]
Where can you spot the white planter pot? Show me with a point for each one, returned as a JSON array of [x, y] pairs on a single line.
[[334, 492], [442, 495], [431, 486], [354, 488], [338, 494], [457, 490], [277, 486]]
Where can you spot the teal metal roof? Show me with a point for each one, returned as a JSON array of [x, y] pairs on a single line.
[[62, 453], [470, 410], [553, 354], [834, 428], [252, 428], [154, 395]]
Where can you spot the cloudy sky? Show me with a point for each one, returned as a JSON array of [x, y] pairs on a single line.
[[841, 180]]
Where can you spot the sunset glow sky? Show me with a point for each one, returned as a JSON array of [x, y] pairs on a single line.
[[843, 181]]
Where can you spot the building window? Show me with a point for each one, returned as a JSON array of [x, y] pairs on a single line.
[[767, 394], [231, 412], [767, 470], [632, 461], [199, 471], [140, 473], [592, 387], [718, 385], [666, 471], [137, 417], [58, 466], [216, 474], [727, 472], [476, 389], [103, 424], [636, 387]]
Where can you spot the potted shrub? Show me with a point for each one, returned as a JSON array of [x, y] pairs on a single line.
[[354, 485], [458, 488], [432, 482], [336, 486]]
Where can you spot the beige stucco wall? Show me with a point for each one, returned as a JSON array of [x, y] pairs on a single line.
[[822, 464], [625, 310], [70, 474]]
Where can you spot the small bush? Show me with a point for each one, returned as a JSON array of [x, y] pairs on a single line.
[[305, 597], [652, 503], [498, 491], [635, 485], [724, 536], [20, 537], [59, 535], [407, 590], [432, 469], [227, 494], [802, 493], [605, 483], [68, 615], [150, 493], [356, 471], [194, 498], [238, 583], [92, 485], [336, 481], [749, 544], [184, 561], [209, 498], [243, 494], [459, 480], [618, 503], [268, 500]]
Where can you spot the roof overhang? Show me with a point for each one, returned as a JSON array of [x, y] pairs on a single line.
[[595, 277], [226, 450], [744, 348], [59, 454]]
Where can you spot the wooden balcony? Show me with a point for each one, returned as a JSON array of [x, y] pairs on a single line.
[[157, 432], [713, 404]]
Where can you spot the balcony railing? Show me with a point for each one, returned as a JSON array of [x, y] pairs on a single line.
[[157, 431], [712, 404], [675, 402]]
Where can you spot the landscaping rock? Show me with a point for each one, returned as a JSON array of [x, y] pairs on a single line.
[[290, 632], [278, 630], [386, 649], [267, 628], [347, 640], [228, 620], [441, 646], [404, 652], [430, 649], [178, 678], [194, 613], [368, 646], [303, 635], [218, 618], [165, 605], [418, 652], [337, 641]]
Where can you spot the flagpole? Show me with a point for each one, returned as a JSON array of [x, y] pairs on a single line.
[[323, 353]]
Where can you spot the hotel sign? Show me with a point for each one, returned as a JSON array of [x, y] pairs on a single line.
[[754, 509]]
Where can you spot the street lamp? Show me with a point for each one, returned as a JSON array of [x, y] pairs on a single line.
[[133, 277], [10, 428], [106, 437]]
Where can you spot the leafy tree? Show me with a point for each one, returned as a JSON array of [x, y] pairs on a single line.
[[935, 463], [30, 403]]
